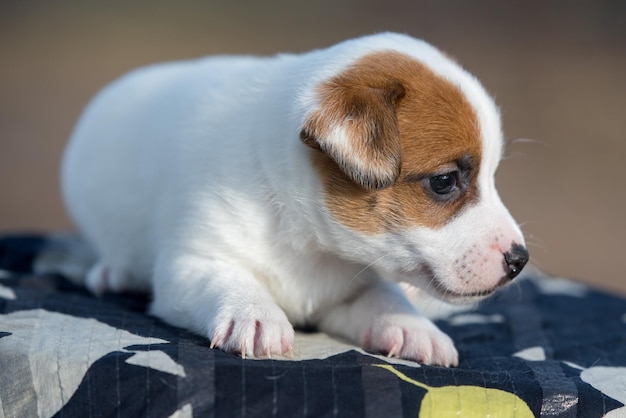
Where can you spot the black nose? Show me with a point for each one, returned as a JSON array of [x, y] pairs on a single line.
[[514, 260]]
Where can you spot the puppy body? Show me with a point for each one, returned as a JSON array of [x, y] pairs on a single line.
[[193, 180]]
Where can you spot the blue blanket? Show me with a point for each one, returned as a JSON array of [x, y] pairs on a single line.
[[542, 347]]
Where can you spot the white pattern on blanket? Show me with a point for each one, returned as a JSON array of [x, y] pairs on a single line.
[[61, 348]]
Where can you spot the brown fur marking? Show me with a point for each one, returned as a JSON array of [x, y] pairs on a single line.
[[366, 111], [404, 122]]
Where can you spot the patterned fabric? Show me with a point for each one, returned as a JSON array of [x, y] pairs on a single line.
[[543, 347]]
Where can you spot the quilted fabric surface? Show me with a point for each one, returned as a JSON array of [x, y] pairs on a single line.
[[542, 347]]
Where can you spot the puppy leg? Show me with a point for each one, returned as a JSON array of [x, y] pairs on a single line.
[[223, 302], [382, 319]]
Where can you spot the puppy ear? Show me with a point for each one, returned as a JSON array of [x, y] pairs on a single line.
[[356, 126]]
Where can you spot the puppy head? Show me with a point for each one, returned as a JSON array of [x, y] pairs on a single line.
[[407, 159]]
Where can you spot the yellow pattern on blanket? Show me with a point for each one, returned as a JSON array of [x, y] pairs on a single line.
[[466, 401]]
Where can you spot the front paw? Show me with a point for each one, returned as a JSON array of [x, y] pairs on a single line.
[[411, 337], [252, 331]]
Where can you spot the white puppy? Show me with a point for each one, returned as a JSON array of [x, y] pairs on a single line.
[[249, 194]]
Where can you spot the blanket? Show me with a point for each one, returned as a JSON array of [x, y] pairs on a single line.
[[541, 347]]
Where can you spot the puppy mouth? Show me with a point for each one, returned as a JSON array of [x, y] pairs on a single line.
[[443, 292], [449, 295]]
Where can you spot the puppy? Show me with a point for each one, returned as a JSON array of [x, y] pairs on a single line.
[[253, 194]]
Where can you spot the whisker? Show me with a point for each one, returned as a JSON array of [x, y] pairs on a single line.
[[368, 266], [514, 154], [518, 154], [539, 245], [530, 141], [532, 239], [523, 224]]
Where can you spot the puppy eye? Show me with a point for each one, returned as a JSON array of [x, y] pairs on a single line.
[[444, 184]]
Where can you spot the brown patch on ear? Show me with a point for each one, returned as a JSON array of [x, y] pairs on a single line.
[[426, 126], [356, 125]]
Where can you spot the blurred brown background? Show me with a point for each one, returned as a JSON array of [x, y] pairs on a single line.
[[557, 69]]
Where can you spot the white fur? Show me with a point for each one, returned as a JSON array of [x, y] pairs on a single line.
[[191, 181]]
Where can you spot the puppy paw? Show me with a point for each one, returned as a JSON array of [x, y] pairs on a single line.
[[256, 331], [413, 338], [101, 279]]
